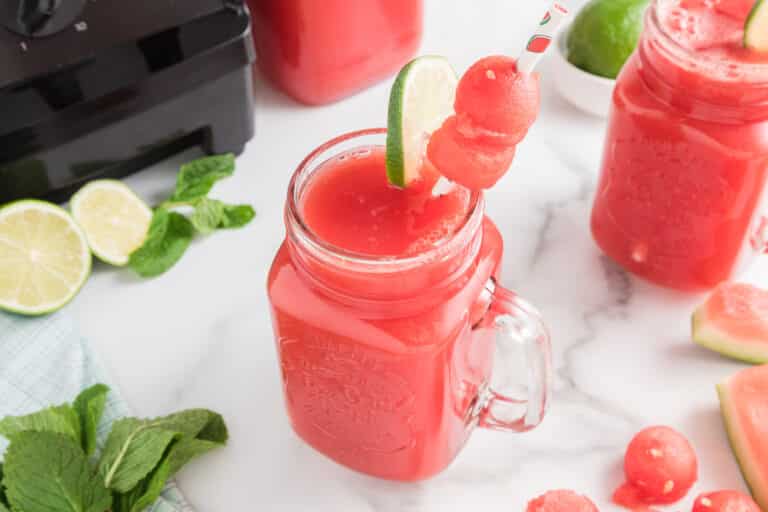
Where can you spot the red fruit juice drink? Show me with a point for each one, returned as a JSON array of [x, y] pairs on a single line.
[[386, 314], [680, 197], [319, 51]]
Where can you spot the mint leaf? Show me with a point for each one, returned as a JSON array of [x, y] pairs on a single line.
[[133, 449], [212, 214], [236, 215], [202, 431], [4, 508], [3, 497], [196, 178], [89, 406], [169, 235], [61, 419], [146, 492], [48, 472], [208, 215]]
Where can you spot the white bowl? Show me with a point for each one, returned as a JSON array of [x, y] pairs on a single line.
[[585, 91]]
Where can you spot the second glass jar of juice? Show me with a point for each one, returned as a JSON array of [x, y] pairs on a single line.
[[680, 197], [319, 51]]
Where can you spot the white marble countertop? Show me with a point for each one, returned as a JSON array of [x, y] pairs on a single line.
[[201, 336]]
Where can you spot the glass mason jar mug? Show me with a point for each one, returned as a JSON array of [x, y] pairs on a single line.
[[681, 197], [387, 362]]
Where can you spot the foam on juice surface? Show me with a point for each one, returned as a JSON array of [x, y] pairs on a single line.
[[350, 204], [714, 29]]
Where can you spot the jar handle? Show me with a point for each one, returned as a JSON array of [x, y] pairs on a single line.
[[517, 325]]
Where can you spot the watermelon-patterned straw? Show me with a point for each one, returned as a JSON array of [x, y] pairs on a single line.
[[540, 41]]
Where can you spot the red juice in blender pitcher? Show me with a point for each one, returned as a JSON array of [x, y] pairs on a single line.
[[319, 51], [686, 154]]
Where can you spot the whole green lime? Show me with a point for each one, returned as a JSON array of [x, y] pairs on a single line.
[[604, 35]]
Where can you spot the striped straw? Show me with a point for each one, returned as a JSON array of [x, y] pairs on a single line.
[[540, 41]]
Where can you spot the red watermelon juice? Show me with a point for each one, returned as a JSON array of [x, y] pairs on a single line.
[[686, 154], [319, 51], [383, 304]]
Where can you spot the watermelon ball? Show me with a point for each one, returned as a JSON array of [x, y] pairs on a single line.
[[660, 467], [629, 497], [473, 163], [561, 501], [725, 501], [494, 99]]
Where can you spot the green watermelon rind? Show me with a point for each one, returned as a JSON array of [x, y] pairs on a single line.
[[740, 448], [707, 335]]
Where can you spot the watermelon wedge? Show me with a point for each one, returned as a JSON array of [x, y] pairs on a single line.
[[734, 322], [744, 404]]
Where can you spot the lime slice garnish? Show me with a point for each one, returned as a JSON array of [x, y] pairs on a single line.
[[114, 219], [421, 99], [756, 27], [44, 257]]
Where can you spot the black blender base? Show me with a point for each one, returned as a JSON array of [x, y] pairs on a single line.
[[214, 117], [104, 98]]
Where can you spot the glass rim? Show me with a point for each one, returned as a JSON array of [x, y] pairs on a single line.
[[756, 73], [301, 232]]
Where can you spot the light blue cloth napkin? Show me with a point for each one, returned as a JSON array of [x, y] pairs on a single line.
[[43, 362]]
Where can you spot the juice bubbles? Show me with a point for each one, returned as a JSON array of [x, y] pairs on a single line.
[[384, 307], [351, 205], [679, 200], [319, 51]]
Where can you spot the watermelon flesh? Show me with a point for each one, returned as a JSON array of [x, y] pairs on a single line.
[[495, 106], [734, 322], [473, 163], [744, 404], [725, 501], [494, 97], [561, 501], [661, 467]]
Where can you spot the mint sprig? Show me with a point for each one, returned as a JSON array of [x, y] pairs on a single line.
[[61, 419], [48, 465], [198, 177], [168, 238], [4, 505], [134, 448], [89, 406], [171, 231], [47, 471], [146, 492]]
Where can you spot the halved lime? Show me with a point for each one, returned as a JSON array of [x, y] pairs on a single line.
[[44, 257], [421, 99], [604, 35], [114, 219], [756, 27]]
